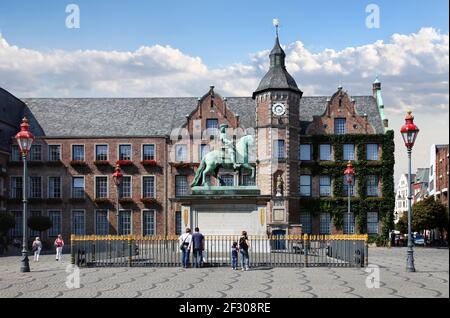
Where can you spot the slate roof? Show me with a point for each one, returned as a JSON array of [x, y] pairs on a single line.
[[11, 110], [128, 117]]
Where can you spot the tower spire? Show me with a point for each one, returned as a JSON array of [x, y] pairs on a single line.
[[276, 24]]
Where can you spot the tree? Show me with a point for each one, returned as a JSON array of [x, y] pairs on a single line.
[[402, 224], [7, 222], [429, 214], [39, 223]]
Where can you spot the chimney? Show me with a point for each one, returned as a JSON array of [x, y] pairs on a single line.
[[199, 106]]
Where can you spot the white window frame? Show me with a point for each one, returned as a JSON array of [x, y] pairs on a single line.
[[42, 154], [60, 188], [131, 186], [344, 152], [186, 153], [154, 221], [60, 222], [60, 152], [95, 151], [378, 223], [71, 186], [187, 182], [330, 185], [11, 186], [320, 152], [131, 151], [42, 187], [71, 152], [95, 186], [71, 220], [107, 220], [154, 185], [131, 221], [154, 151], [378, 151], [300, 185]]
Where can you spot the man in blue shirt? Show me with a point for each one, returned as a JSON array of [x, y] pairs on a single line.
[[198, 245]]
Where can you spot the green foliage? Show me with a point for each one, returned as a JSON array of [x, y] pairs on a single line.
[[39, 223], [402, 224], [7, 222], [429, 214], [384, 168]]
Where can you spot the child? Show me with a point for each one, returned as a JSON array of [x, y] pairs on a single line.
[[234, 255]]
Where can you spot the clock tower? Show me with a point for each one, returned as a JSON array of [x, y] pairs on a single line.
[[278, 128]]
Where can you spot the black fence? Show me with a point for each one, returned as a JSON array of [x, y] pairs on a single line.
[[272, 251]]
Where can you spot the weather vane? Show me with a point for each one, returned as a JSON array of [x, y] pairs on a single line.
[[276, 24]]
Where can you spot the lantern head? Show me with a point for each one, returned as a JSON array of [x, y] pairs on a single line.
[[117, 175], [24, 137], [409, 131], [349, 172]]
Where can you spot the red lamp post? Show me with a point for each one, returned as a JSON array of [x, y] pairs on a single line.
[[24, 140], [349, 173], [117, 178], [409, 133]]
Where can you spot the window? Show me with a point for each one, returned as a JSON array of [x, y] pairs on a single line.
[[372, 222], [78, 224], [16, 188], [212, 124], [101, 152], [148, 222], [77, 152], [346, 217], [54, 152], [228, 180], [306, 222], [101, 222], [372, 152], [325, 223], [124, 152], [305, 152], [279, 149], [178, 223], [36, 153], [181, 185], [148, 152], [372, 186], [181, 153], [101, 187], [346, 186], [18, 227], [54, 187], [325, 186], [125, 222], [125, 187], [15, 153], [35, 187], [77, 187], [247, 180], [339, 126], [305, 185], [55, 217], [204, 149], [148, 187], [349, 152], [325, 152], [34, 233]]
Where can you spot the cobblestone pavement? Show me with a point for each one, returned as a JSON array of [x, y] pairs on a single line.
[[48, 279]]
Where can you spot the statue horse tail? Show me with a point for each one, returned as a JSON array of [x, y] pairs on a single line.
[[199, 174]]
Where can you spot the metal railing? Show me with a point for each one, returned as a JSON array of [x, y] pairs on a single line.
[[274, 251]]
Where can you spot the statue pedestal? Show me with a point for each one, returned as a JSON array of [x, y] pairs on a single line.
[[226, 190]]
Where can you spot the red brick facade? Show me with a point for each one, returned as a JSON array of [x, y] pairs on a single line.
[[442, 174]]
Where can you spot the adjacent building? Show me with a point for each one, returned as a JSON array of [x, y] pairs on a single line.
[[438, 174], [401, 197], [305, 141], [420, 185]]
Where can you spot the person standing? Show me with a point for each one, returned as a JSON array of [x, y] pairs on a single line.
[[244, 245], [234, 255], [185, 241], [198, 245], [37, 247], [59, 244]]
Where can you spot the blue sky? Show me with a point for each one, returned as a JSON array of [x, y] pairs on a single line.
[[220, 32]]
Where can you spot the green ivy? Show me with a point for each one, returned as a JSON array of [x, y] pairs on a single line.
[[384, 168]]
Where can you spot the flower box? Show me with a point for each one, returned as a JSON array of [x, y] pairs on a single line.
[[126, 200], [148, 200], [54, 200], [101, 163], [54, 163], [35, 163], [151, 163], [181, 164], [77, 199], [101, 200], [78, 163], [35, 200], [124, 162]]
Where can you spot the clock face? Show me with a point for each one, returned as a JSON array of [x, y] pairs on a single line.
[[279, 109]]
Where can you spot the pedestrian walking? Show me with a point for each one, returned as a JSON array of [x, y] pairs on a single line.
[[234, 255], [185, 241], [198, 246], [244, 246], [36, 248], [59, 244]]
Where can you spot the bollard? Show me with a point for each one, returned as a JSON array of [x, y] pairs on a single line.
[[130, 251]]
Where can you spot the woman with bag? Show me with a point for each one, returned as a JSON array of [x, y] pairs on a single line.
[[244, 245], [37, 247], [59, 244], [185, 241]]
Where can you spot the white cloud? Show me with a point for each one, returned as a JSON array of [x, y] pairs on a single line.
[[413, 68]]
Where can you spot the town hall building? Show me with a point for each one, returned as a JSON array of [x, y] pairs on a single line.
[[302, 145]]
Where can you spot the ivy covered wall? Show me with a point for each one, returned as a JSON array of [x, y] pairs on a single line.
[[361, 204]]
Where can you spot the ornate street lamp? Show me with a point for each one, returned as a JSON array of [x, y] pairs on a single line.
[[117, 178], [409, 133], [25, 140], [349, 173]]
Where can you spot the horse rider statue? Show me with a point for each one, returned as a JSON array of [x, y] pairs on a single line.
[[228, 146]]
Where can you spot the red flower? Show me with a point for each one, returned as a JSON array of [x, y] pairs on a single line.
[[124, 162], [149, 163]]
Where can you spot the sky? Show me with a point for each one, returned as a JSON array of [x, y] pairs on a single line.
[[180, 48]]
